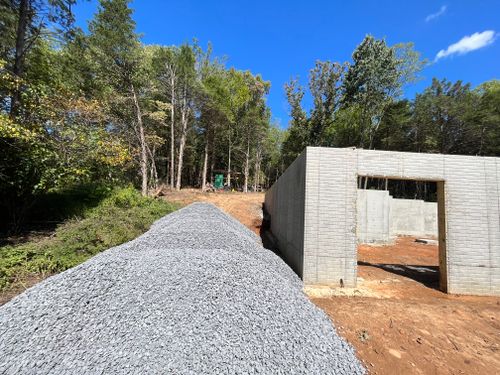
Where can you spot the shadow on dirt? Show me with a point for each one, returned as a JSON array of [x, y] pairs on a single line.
[[426, 275]]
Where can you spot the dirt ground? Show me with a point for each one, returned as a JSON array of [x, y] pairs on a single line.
[[397, 319], [7, 295], [246, 207], [400, 323]]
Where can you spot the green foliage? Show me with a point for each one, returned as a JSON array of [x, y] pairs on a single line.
[[60, 142], [396, 127], [120, 215], [79, 107], [59, 205], [297, 136], [488, 111], [372, 78], [114, 45], [8, 22], [375, 79], [441, 115], [361, 107], [273, 160], [325, 82], [296, 139], [346, 130]]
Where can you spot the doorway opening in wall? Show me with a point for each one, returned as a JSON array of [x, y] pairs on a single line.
[[400, 233]]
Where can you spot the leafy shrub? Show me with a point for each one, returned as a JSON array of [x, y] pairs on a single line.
[[120, 216]]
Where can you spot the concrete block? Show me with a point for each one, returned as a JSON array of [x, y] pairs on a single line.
[[313, 208]]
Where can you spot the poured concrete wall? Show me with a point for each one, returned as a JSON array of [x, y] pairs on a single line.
[[413, 217], [374, 216], [381, 218], [430, 214], [323, 209], [284, 203]]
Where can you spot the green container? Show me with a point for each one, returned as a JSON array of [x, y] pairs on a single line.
[[219, 181]]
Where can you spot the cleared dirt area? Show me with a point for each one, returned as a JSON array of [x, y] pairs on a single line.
[[246, 207], [397, 319], [400, 323]]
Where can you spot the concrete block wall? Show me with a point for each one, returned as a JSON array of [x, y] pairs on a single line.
[[473, 227], [324, 249], [471, 187], [330, 217]]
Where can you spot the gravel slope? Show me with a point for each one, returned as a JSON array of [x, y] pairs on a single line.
[[195, 294]]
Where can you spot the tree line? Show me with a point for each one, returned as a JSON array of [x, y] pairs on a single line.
[[101, 107], [360, 104]]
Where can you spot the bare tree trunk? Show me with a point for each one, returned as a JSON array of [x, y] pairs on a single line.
[[211, 148], [205, 166], [172, 123], [182, 142], [256, 180], [228, 180], [19, 53], [167, 170], [246, 169], [255, 175], [153, 173], [142, 141], [21, 37], [212, 166]]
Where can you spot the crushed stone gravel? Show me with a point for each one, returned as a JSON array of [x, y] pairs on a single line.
[[196, 294]]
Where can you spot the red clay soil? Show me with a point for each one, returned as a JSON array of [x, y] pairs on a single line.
[[402, 324]]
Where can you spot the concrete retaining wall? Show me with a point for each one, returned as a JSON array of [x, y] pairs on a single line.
[[315, 220], [284, 202], [380, 217], [374, 216]]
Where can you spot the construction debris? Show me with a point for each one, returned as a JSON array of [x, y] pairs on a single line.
[[427, 241]]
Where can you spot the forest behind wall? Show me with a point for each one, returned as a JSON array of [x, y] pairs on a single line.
[[103, 108]]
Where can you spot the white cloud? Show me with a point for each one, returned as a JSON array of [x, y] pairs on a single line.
[[439, 13], [468, 43]]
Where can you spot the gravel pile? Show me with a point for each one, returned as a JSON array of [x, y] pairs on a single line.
[[196, 294]]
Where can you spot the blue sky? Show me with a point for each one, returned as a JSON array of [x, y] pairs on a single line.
[[283, 39]]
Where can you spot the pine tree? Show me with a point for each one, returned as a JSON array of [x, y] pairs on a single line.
[[116, 50]]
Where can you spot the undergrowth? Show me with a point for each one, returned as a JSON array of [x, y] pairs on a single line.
[[120, 216]]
